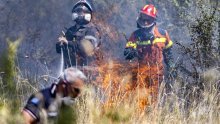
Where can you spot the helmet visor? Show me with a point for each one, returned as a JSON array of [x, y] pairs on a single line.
[[145, 20]]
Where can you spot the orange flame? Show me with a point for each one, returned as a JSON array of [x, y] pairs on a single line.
[[119, 81]]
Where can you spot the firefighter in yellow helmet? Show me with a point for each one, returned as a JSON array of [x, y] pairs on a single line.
[[152, 46]]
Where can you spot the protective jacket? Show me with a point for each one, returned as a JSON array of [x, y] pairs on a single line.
[[152, 47], [47, 106], [42, 105], [74, 54]]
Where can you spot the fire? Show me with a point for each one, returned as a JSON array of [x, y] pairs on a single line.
[[121, 81]]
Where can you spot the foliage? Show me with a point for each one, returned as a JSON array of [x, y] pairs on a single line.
[[8, 87], [8, 65], [194, 26]]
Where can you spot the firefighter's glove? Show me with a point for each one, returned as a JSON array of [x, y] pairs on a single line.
[[67, 101], [130, 53], [62, 40]]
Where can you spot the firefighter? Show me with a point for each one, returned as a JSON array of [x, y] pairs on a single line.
[[151, 45], [47, 103], [81, 41]]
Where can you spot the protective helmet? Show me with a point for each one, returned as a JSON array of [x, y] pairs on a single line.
[[149, 10], [82, 12], [84, 2], [147, 16]]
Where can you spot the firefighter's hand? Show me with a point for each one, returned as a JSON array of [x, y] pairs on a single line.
[[130, 53], [63, 40]]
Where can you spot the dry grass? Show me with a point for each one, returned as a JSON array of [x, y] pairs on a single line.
[[172, 108], [91, 108]]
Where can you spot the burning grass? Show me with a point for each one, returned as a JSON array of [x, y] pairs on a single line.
[[170, 109], [113, 101], [109, 99]]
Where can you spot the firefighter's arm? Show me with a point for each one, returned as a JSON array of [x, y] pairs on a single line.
[[90, 42], [130, 50], [169, 61], [86, 47], [93, 35], [62, 42], [168, 57], [64, 39]]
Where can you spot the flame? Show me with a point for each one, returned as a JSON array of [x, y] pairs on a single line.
[[120, 81]]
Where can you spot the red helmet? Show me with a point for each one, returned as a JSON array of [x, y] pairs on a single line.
[[149, 10]]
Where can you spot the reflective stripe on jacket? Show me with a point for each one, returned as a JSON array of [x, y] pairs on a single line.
[[150, 44]]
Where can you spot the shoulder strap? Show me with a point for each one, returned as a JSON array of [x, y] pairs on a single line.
[[158, 32]]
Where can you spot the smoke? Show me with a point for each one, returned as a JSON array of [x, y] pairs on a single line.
[[41, 23]]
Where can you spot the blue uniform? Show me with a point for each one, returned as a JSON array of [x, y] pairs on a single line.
[[42, 102]]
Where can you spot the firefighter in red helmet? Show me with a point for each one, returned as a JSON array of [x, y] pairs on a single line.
[[152, 46]]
